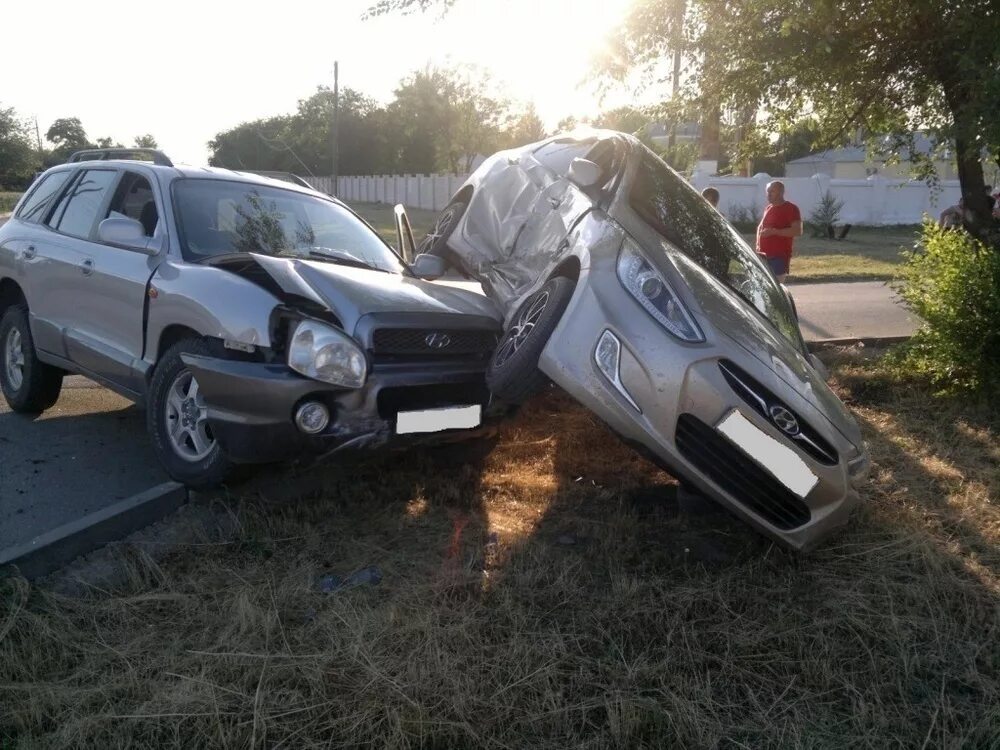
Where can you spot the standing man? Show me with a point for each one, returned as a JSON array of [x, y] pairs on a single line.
[[778, 228]]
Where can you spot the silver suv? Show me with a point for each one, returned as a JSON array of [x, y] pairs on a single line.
[[256, 320]]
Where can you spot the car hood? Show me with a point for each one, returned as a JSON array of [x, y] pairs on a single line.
[[733, 318], [350, 293]]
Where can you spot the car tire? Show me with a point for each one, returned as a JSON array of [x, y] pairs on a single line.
[[435, 242], [513, 373], [29, 385], [177, 424]]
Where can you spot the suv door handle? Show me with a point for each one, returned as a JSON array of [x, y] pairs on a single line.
[[87, 267], [29, 252]]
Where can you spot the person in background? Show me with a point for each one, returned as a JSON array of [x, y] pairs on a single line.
[[951, 217], [777, 230], [712, 196]]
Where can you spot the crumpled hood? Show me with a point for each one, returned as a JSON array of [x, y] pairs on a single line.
[[351, 293], [729, 316]]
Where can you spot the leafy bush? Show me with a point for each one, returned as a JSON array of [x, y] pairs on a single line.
[[952, 281], [825, 214], [745, 216], [8, 201]]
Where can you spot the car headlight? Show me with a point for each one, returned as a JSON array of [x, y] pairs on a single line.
[[653, 292], [322, 352]]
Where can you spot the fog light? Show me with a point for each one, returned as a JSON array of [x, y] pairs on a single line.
[[607, 355], [312, 417]]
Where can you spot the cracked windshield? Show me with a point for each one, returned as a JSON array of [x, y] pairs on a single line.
[[218, 217]]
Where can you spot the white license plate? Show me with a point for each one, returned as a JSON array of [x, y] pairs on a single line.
[[435, 420], [784, 463]]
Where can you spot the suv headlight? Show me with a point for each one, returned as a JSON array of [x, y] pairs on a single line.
[[653, 292], [322, 352]]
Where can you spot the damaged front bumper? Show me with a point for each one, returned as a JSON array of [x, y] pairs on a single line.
[[251, 406]]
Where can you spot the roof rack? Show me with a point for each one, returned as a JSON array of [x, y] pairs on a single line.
[[101, 154]]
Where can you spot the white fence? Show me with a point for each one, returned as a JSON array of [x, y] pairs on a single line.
[[874, 201], [431, 192]]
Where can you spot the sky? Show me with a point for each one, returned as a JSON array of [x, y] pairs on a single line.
[[185, 70]]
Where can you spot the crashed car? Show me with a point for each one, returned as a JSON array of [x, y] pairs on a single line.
[[619, 283], [256, 320]]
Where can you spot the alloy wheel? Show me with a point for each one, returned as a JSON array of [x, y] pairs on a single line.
[[14, 359], [187, 419], [518, 333]]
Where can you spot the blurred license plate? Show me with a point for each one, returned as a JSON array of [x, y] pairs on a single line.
[[435, 420], [780, 460]]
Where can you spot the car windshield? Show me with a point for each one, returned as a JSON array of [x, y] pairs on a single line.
[[221, 217], [675, 210]]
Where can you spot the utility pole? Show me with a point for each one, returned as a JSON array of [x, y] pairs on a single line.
[[333, 130], [38, 137]]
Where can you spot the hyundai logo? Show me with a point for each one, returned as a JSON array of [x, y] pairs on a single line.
[[437, 340], [785, 420]]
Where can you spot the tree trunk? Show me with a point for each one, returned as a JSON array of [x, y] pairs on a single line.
[[977, 215]]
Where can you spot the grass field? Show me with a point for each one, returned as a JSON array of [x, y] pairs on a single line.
[[8, 201], [546, 593]]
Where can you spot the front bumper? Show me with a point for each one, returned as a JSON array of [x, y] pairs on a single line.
[[670, 399], [251, 406]]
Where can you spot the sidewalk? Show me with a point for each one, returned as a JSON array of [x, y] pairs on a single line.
[[857, 310]]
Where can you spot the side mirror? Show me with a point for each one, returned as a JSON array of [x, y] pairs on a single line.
[[427, 266], [584, 173], [127, 233], [404, 234]]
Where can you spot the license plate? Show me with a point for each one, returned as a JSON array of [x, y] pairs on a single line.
[[435, 420], [784, 463]]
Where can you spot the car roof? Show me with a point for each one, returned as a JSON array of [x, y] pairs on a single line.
[[183, 171]]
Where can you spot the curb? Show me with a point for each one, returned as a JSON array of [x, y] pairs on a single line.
[[822, 344], [54, 549]]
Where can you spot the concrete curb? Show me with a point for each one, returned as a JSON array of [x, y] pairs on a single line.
[[52, 550], [820, 345]]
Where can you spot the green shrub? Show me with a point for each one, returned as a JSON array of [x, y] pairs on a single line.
[[825, 214], [745, 216], [8, 201], [952, 282]]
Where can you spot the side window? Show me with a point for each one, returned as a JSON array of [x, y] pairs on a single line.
[[37, 204], [558, 155], [76, 213], [134, 200]]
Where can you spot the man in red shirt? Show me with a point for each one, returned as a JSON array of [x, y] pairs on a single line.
[[780, 225]]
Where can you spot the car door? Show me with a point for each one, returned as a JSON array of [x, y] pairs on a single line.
[[105, 285], [556, 207], [24, 253]]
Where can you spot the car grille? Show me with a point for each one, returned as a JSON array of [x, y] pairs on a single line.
[[760, 399], [739, 475], [433, 342]]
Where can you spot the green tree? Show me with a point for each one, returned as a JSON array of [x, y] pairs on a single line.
[[889, 66], [526, 127], [18, 160], [145, 141], [67, 134], [109, 142]]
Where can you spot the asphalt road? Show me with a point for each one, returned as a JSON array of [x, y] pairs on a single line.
[[865, 309], [87, 452]]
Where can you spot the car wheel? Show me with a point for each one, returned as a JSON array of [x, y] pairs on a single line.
[[436, 240], [177, 421], [29, 385], [513, 372]]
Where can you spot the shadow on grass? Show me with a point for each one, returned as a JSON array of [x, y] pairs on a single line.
[[544, 594]]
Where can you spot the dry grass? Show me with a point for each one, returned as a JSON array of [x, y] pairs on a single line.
[[8, 201], [652, 629]]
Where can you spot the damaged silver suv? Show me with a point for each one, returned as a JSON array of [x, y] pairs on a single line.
[[257, 320], [623, 286]]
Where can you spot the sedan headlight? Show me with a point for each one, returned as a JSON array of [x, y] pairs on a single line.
[[653, 292], [322, 352]]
